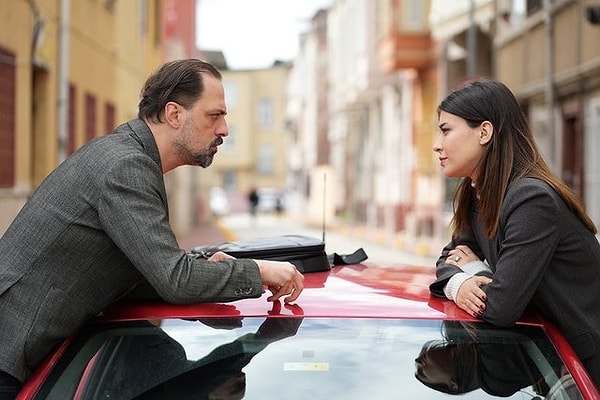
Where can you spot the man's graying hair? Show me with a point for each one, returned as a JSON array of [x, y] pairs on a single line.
[[179, 81]]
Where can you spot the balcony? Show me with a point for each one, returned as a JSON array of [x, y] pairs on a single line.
[[405, 50]]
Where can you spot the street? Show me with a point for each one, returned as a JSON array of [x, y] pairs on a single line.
[[242, 227]]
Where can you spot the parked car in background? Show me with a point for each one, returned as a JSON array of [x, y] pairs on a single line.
[[218, 202], [271, 200], [356, 332]]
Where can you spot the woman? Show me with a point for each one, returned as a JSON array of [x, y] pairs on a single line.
[[521, 237]]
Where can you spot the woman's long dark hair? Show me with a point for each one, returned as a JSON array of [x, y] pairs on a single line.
[[464, 367], [510, 155]]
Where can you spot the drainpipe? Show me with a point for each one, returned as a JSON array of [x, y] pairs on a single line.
[[38, 27], [63, 80], [550, 98]]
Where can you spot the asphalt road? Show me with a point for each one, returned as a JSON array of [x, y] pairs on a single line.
[[243, 226]]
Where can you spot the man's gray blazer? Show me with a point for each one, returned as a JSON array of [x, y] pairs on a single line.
[[93, 230]]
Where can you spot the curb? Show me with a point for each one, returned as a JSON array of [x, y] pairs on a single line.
[[227, 233]]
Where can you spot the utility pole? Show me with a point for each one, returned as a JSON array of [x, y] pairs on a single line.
[[472, 43]]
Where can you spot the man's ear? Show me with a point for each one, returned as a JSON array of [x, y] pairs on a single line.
[[486, 133], [173, 114]]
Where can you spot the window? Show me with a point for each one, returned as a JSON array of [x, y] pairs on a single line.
[[90, 117], [72, 115], [7, 119], [415, 16], [265, 113], [533, 6], [189, 359], [228, 145], [110, 5], [231, 94], [230, 180], [266, 160], [109, 117]]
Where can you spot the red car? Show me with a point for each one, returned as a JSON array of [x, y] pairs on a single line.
[[356, 332]]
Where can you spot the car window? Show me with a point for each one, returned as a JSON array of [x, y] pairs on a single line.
[[300, 358]]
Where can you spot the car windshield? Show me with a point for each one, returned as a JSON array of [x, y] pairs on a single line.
[[301, 358]]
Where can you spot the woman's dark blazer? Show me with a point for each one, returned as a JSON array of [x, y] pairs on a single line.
[[542, 257]]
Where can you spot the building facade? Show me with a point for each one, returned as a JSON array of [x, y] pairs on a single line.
[[73, 72], [254, 153], [380, 91], [312, 176], [546, 51]]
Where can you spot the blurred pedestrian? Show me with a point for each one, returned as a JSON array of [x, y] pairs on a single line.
[[279, 206], [97, 228], [521, 237], [253, 200]]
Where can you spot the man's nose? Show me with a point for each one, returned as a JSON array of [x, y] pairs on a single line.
[[223, 130]]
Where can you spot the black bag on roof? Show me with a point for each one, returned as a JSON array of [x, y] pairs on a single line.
[[305, 252]]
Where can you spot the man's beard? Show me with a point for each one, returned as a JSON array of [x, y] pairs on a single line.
[[202, 158]]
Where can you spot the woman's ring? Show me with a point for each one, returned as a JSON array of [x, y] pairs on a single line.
[[457, 258]]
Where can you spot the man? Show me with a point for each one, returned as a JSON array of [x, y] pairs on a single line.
[[98, 227]]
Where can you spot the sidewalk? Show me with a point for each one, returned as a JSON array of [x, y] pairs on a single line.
[[214, 232], [341, 238], [206, 233]]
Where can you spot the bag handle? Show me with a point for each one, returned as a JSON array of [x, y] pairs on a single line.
[[345, 259]]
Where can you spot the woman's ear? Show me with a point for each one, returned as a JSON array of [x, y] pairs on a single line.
[[486, 133]]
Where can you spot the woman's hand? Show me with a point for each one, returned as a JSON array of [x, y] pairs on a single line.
[[470, 297], [461, 255]]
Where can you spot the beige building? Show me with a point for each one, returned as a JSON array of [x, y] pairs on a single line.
[[254, 154], [69, 71]]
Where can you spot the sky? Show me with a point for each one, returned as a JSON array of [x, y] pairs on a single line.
[[254, 33]]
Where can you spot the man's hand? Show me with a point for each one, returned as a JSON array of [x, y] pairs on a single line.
[[282, 279], [470, 297], [220, 256]]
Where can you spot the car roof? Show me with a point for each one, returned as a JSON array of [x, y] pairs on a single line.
[[351, 291]]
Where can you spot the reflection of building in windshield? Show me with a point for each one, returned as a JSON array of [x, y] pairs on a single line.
[[500, 362]]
